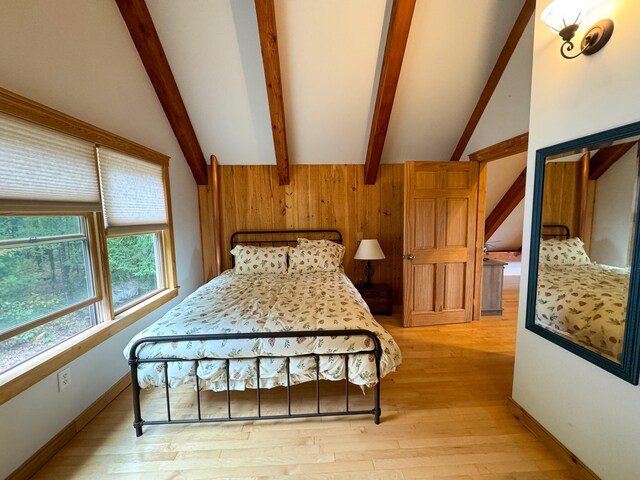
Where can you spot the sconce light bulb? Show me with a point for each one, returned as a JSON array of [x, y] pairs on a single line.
[[561, 14]]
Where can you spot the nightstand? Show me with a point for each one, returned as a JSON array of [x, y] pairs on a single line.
[[378, 297], [492, 276]]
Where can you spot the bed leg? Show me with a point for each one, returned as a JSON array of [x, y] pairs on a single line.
[[378, 358], [376, 409], [138, 428], [135, 392]]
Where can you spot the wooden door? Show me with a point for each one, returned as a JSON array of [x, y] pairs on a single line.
[[440, 247]]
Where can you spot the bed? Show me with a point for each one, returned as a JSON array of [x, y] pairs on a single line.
[[262, 331], [582, 301]]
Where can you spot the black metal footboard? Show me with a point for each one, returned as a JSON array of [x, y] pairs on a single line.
[[133, 361]]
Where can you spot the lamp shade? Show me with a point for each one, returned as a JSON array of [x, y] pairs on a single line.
[[369, 250], [563, 13]]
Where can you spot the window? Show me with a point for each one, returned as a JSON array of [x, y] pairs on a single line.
[[136, 220], [136, 268], [47, 293], [85, 231]]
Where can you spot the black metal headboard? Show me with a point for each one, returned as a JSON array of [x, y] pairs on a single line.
[[555, 231], [281, 238]]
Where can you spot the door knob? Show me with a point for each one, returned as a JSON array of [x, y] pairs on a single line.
[[409, 256]]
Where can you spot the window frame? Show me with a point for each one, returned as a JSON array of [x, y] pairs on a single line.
[[28, 373]]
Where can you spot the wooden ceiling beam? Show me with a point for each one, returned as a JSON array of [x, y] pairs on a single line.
[[506, 205], [606, 157], [266, 14], [145, 37], [496, 74], [504, 149], [397, 35]]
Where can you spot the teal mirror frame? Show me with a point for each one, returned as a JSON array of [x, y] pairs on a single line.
[[629, 367]]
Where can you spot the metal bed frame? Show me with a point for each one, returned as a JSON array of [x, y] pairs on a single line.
[[266, 238], [254, 238]]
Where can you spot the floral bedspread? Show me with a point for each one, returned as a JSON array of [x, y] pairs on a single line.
[[233, 303], [585, 303]]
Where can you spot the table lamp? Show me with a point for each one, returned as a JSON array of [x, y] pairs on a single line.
[[369, 250]]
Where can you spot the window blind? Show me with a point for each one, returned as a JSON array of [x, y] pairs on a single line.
[[133, 193], [41, 165]]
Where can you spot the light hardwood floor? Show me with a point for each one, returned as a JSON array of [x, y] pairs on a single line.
[[444, 415]]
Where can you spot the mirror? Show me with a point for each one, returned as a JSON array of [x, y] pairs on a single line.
[[584, 263]]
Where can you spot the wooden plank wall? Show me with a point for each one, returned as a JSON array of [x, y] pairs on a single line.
[[207, 228], [209, 206], [320, 197], [561, 199]]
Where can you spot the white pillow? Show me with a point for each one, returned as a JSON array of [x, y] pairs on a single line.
[[251, 260], [555, 252]]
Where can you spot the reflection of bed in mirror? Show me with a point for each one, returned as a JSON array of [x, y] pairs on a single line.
[[581, 300], [585, 249]]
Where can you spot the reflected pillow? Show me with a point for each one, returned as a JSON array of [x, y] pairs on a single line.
[[555, 252], [252, 260], [323, 243], [308, 259]]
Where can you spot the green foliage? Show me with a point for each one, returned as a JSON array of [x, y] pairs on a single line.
[[132, 266], [40, 278], [132, 258], [12, 228]]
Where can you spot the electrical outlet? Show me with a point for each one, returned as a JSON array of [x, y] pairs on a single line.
[[64, 379]]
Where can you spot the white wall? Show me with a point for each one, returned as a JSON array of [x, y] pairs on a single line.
[[593, 413], [614, 212], [500, 176], [76, 56], [506, 116]]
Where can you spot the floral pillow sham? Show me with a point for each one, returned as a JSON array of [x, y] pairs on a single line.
[[308, 259], [251, 260], [323, 243], [555, 252]]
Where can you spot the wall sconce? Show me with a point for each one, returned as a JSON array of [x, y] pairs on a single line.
[[564, 17]]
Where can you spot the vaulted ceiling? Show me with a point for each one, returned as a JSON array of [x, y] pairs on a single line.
[[331, 54]]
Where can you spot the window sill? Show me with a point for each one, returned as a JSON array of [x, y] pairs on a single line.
[[29, 373]]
